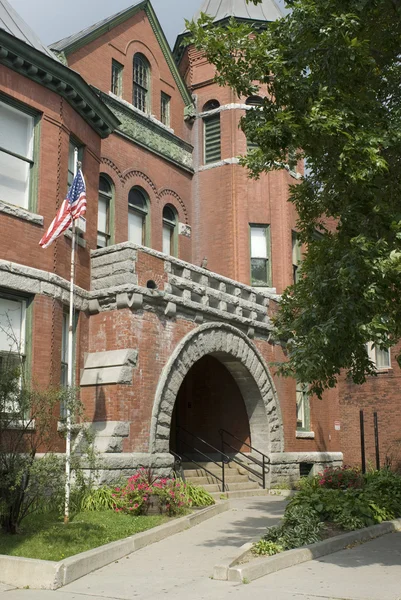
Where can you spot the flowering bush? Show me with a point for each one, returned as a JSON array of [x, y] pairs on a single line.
[[341, 478], [143, 489]]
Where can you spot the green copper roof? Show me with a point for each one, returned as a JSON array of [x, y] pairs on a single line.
[[223, 10], [74, 42], [267, 10], [11, 22]]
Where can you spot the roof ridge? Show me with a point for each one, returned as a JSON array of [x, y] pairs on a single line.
[[12, 23]]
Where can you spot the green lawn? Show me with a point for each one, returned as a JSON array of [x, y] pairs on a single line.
[[45, 536]]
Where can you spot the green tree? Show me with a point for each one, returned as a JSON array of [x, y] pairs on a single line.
[[332, 71]]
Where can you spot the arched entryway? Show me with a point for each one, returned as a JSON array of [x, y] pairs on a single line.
[[247, 368], [208, 401]]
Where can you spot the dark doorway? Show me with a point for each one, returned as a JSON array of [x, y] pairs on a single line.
[[208, 400]]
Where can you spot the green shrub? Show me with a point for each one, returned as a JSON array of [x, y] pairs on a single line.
[[299, 528], [341, 478], [197, 495], [98, 499], [137, 494], [266, 548]]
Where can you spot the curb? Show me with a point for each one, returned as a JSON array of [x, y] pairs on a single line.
[[230, 570], [49, 575]]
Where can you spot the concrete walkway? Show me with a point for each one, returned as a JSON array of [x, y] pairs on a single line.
[[180, 567]]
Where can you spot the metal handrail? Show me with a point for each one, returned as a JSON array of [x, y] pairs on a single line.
[[191, 460], [262, 463], [225, 460]]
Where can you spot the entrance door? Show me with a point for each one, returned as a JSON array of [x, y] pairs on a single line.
[[208, 400]]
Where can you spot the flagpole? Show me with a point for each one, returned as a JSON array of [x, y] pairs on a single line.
[[70, 371]]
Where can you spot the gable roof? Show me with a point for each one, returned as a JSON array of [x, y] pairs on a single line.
[[23, 52], [267, 10], [78, 40], [81, 38], [12, 23]]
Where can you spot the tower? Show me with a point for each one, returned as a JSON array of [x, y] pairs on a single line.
[[245, 228]]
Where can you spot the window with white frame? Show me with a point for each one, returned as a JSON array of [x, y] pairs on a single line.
[[303, 407], [103, 216], [65, 327], [380, 357], [116, 78], [16, 155], [12, 335], [165, 100], [260, 255], [138, 213], [141, 83], [169, 231], [73, 158], [296, 256]]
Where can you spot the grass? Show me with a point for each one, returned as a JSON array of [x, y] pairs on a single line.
[[46, 537]]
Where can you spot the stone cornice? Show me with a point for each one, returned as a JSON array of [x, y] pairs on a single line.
[[50, 73], [146, 131]]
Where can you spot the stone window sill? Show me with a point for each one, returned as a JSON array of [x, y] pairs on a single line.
[[305, 435], [18, 424], [21, 213], [80, 241]]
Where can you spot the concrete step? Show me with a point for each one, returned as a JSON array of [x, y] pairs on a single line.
[[208, 465], [210, 479], [245, 485], [240, 494]]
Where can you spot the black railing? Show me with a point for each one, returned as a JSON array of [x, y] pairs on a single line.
[[225, 460], [263, 462]]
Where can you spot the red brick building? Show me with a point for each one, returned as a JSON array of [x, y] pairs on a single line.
[[182, 259]]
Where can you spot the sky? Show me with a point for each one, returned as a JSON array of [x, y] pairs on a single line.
[[53, 20]]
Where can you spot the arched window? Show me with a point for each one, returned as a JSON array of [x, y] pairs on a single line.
[[257, 102], [169, 231], [254, 101], [105, 200], [138, 213], [141, 83], [212, 133]]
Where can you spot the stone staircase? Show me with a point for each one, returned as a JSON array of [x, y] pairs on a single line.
[[236, 478]]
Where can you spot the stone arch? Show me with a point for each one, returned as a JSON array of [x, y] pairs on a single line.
[[248, 368]]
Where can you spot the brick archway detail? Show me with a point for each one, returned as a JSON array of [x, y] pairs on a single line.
[[248, 368]]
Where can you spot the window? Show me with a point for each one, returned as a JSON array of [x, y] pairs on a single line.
[[212, 133], [138, 213], [165, 109], [169, 231], [141, 83], [380, 357], [12, 335], [296, 256], [303, 407], [73, 157], [260, 255], [257, 102], [16, 155], [64, 352], [116, 78], [104, 210]]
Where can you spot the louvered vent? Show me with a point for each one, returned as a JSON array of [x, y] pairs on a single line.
[[212, 139]]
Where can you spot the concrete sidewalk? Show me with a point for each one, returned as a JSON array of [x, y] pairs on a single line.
[[180, 567]]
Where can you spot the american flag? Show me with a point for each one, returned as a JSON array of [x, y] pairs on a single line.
[[73, 207]]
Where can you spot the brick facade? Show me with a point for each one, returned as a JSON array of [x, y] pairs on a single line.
[[153, 327]]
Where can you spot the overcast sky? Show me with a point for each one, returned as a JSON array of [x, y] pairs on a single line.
[[54, 19]]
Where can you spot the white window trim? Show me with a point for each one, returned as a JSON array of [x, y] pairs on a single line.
[[371, 349]]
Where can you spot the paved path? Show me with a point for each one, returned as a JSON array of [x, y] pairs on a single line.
[[180, 567]]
